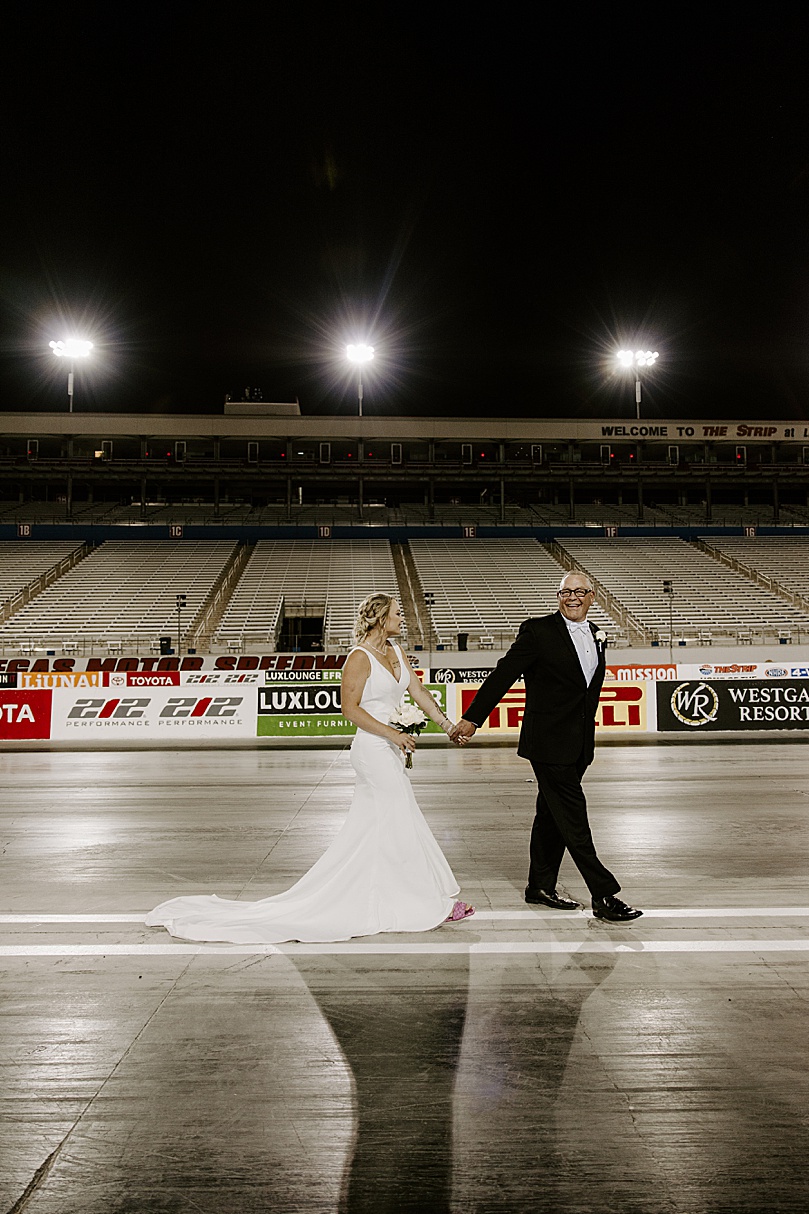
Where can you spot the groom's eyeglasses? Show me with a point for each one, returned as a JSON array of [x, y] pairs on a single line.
[[579, 594]]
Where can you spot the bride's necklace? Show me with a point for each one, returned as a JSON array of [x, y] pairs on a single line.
[[376, 647]]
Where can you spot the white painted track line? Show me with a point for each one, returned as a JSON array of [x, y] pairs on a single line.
[[429, 945], [718, 912], [475, 948]]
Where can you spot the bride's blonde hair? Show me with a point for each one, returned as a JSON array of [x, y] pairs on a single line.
[[372, 611]]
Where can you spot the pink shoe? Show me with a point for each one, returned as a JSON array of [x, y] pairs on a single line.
[[461, 910]]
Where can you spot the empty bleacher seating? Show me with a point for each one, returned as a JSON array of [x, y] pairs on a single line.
[[122, 595], [782, 559], [709, 600], [23, 562], [315, 576], [486, 588]]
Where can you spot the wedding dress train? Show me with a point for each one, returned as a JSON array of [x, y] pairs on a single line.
[[384, 871]]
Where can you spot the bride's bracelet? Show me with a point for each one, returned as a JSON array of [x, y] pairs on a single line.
[[446, 725]]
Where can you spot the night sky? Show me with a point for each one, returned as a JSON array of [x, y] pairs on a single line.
[[221, 197]]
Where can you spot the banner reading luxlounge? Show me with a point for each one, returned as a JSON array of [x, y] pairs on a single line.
[[314, 710]]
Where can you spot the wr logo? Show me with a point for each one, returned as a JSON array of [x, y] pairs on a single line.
[[695, 705]]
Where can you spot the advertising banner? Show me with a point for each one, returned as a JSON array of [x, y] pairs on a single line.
[[624, 707], [281, 663], [313, 710], [25, 714], [744, 670], [460, 674], [630, 674], [160, 713], [51, 681], [705, 705]]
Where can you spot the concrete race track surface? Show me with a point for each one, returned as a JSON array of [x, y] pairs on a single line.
[[524, 1060]]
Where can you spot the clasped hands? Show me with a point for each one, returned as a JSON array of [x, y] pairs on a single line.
[[462, 732]]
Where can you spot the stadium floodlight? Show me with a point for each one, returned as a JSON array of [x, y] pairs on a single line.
[[71, 349], [634, 360], [359, 354]]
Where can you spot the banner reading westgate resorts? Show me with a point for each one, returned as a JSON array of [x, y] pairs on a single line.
[[703, 706]]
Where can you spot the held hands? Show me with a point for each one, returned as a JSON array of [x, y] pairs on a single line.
[[462, 732]]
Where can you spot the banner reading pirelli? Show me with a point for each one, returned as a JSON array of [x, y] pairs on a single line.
[[624, 707]]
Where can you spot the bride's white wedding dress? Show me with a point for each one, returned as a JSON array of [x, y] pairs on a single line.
[[384, 872]]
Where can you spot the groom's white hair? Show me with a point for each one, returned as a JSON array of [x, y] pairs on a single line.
[[580, 573]]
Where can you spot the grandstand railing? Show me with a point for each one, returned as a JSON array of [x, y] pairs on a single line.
[[17, 601], [761, 579], [202, 629]]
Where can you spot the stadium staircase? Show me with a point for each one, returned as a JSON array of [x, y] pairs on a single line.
[[202, 629], [410, 593]]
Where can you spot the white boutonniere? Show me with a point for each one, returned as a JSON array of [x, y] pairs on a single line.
[[601, 637]]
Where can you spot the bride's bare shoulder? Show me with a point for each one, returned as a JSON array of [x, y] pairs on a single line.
[[357, 663]]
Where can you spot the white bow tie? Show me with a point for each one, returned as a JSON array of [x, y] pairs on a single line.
[[579, 627]]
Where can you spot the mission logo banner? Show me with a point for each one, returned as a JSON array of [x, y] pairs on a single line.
[[700, 706]]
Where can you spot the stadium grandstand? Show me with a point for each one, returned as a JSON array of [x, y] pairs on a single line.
[[273, 526]]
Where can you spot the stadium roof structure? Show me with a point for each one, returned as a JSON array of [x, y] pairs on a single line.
[[257, 425]]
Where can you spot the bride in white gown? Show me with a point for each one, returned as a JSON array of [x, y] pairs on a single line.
[[384, 871]]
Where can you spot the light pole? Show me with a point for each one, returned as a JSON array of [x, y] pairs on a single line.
[[359, 354], [637, 359], [71, 349], [181, 604], [668, 589]]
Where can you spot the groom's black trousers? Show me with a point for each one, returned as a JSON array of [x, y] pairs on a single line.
[[561, 822]]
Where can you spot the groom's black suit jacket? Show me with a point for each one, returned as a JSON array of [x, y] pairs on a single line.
[[559, 721]]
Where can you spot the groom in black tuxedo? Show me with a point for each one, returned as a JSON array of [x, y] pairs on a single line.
[[561, 659]]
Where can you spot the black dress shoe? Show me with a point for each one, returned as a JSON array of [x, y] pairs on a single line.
[[552, 899], [614, 909]]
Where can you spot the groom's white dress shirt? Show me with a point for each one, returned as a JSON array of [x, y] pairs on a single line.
[[582, 637]]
